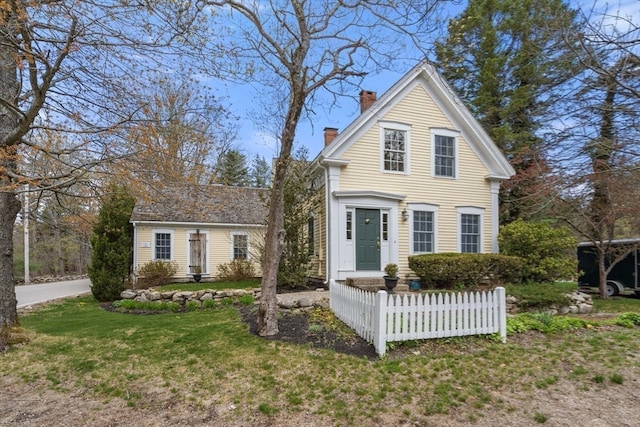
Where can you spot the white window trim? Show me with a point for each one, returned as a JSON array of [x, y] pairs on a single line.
[[470, 210], [423, 207], [153, 243], [407, 145], [240, 233], [450, 133]]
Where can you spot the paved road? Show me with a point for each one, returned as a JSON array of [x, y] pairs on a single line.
[[34, 294]]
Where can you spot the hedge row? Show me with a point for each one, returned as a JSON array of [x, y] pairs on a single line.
[[455, 270]]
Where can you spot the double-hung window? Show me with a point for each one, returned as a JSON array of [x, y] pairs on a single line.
[[470, 230], [423, 228], [240, 246], [394, 147], [162, 245], [444, 152], [422, 231]]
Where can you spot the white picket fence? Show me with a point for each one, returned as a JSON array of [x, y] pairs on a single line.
[[381, 317]]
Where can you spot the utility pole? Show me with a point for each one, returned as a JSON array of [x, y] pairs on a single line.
[[25, 224]]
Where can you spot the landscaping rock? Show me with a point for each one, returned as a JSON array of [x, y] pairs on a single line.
[[128, 294]]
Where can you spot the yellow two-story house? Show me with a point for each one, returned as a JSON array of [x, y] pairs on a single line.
[[414, 173]]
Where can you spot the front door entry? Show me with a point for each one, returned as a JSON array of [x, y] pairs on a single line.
[[368, 239], [197, 253]]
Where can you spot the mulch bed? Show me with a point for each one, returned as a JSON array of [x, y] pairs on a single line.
[[293, 327]]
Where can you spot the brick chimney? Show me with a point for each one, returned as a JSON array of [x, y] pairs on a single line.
[[367, 98], [329, 135]]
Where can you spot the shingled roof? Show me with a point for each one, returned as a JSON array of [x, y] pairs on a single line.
[[210, 204]]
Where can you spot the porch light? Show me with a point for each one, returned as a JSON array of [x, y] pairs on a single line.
[[405, 215]]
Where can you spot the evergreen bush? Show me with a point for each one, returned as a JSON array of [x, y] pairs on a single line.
[[112, 244], [456, 270], [549, 253]]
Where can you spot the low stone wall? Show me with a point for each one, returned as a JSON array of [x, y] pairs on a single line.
[[182, 297], [293, 301], [51, 279], [580, 303]]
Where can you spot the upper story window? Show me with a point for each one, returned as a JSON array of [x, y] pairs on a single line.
[[394, 147], [162, 245], [394, 150], [444, 152]]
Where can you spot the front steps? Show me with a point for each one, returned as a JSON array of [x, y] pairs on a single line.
[[374, 284]]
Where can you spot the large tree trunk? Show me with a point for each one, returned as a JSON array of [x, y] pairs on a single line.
[[274, 244], [9, 204], [9, 208]]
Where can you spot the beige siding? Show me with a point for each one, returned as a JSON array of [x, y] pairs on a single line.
[[470, 188], [219, 246]]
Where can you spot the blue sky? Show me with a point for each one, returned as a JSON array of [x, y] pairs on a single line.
[[251, 140]]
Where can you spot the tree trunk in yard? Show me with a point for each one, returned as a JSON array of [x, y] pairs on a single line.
[[274, 239], [274, 244], [9, 203], [9, 208], [602, 275]]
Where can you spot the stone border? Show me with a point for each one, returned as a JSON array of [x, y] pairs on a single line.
[[581, 303], [285, 301]]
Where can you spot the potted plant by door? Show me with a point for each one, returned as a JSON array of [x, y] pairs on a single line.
[[197, 273], [391, 278]]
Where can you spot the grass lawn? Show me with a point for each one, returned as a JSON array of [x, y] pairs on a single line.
[[216, 286], [209, 356]]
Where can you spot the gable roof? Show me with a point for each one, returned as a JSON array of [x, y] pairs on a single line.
[[203, 204], [425, 75]]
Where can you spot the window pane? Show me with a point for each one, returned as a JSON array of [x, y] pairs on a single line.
[[349, 225], [240, 246], [470, 233], [163, 246], [444, 156], [385, 226], [311, 231], [422, 231], [394, 150]]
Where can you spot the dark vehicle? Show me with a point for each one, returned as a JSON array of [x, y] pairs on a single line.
[[623, 276]]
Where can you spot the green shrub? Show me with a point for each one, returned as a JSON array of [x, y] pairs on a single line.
[[238, 269], [453, 270], [549, 253], [628, 320], [112, 242], [157, 306], [156, 273], [192, 305], [246, 299], [543, 322]]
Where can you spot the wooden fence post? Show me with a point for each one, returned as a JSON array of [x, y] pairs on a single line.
[[380, 323], [502, 312]]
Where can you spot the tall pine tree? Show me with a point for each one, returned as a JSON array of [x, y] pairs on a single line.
[[233, 170], [505, 58]]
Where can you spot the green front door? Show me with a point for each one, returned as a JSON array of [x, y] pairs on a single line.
[[368, 239]]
